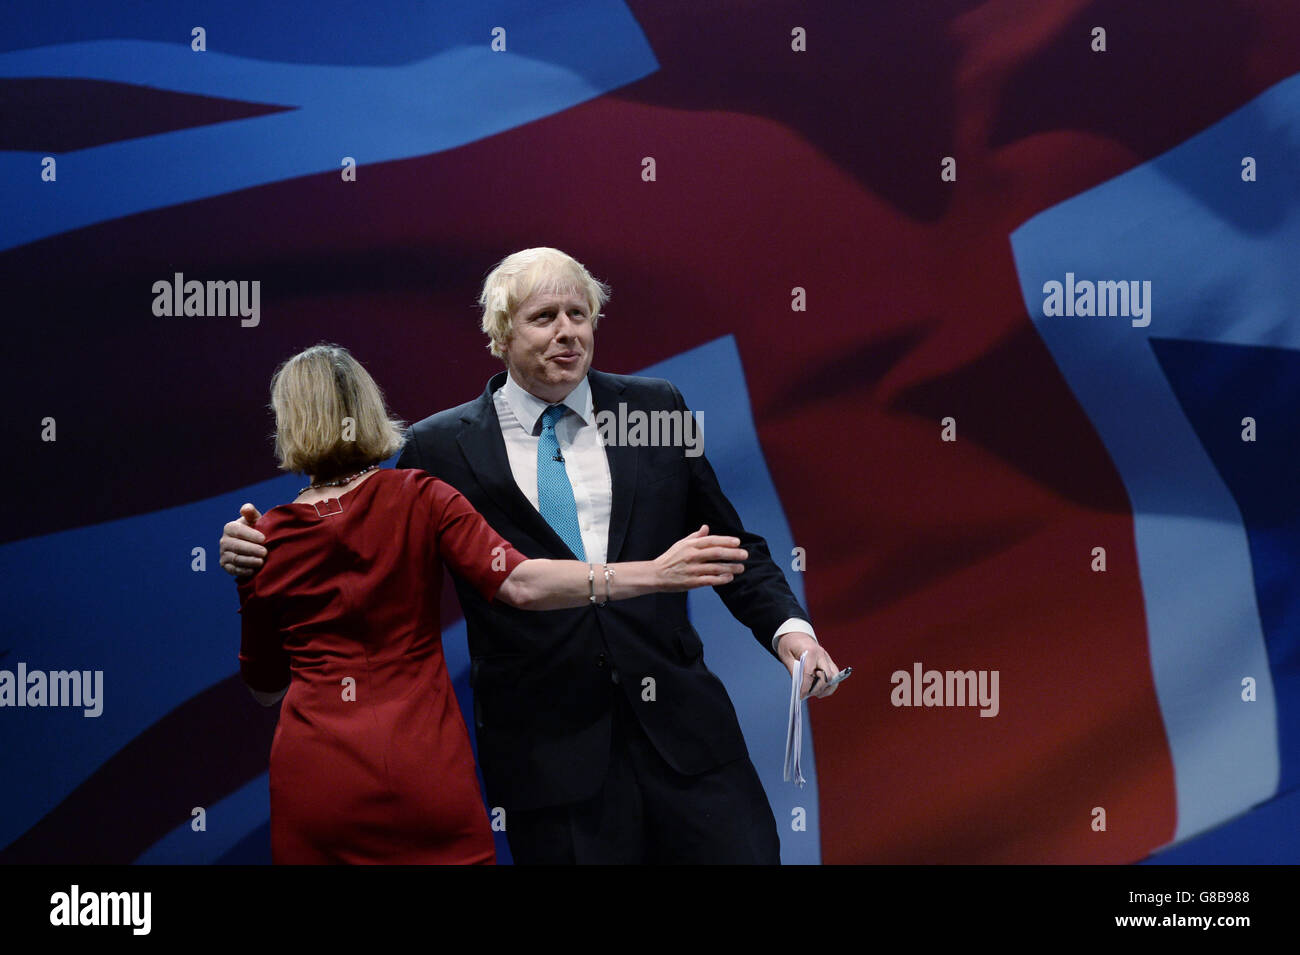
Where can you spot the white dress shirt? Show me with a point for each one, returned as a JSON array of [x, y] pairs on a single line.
[[520, 415]]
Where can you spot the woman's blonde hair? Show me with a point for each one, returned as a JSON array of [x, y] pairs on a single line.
[[519, 275], [330, 416]]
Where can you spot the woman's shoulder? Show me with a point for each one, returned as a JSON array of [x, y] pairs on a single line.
[[426, 493], [387, 487], [420, 481], [297, 510], [275, 518]]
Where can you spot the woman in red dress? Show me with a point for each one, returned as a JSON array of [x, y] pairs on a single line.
[[371, 760]]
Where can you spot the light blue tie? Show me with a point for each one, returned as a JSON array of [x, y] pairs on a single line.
[[554, 492]]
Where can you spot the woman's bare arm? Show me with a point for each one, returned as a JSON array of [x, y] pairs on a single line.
[[699, 560]]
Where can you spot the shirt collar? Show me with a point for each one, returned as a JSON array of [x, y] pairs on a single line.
[[528, 408]]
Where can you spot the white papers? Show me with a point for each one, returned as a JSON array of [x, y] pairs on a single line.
[[794, 727]]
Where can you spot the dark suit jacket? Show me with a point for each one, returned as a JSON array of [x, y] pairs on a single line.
[[543, 693]]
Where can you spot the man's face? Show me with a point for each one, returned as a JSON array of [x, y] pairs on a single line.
[[549, 350]]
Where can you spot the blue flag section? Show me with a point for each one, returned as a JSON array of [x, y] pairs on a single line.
[[431, 89], [1195, 401]]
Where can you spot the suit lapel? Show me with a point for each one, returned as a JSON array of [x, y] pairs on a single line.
[[605, 395], [484, 448]]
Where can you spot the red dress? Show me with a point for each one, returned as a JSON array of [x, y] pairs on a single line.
[[371, 761]]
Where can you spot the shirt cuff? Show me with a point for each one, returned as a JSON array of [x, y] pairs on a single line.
[[796, 625]]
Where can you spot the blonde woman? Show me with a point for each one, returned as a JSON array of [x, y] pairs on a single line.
[[371, 760]]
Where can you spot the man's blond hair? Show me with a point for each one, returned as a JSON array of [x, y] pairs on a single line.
[[519, 275]]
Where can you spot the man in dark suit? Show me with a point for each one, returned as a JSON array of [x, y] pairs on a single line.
[[600, 730]]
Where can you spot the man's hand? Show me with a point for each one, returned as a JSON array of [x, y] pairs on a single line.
[[241, 544], [791, 645]]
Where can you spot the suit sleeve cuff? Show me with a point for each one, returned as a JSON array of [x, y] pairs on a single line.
[[793, 624]]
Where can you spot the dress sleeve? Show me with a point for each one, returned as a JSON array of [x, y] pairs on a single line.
[[263, 662], [468, 544]]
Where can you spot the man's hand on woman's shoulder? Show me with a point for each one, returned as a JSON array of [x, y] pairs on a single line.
[[242, 552]]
